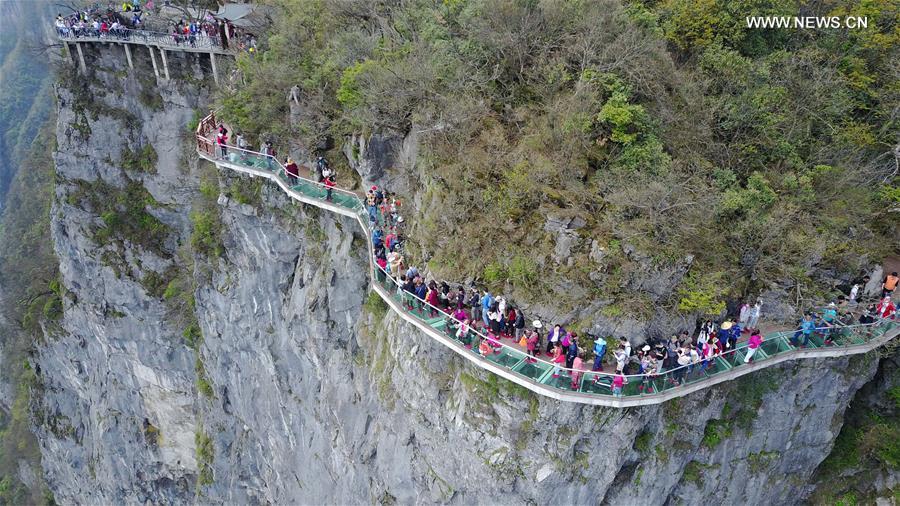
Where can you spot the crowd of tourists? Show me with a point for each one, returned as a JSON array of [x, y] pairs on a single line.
[[127, 23], [95, 23], [482, 321]]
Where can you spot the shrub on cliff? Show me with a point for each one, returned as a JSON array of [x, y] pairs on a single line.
[[663, 126]]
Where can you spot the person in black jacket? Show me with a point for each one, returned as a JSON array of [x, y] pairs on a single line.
[[519, 324], [572, 350]]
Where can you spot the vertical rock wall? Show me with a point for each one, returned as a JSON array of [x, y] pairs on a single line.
[[318, 394]]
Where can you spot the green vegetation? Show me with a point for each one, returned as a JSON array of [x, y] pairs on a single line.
[[33, 299], [717, 142], [152, 435], [125, 215], [376, 306], [203, 384], [206, 237], [715, 432], [246, 191], [692, 472], [866, 447], [701, 294], [149, 95], [26, 84], [643, 441], [489, 390], [142, 160], [194, 122], [205, 452]]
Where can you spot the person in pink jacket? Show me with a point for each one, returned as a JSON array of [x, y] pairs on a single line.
[[753, 344], [617, 384], [577, 368]]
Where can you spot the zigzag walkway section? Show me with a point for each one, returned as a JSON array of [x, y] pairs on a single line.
[[510, 361]]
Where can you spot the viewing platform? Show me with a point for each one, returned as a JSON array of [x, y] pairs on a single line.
[[154, 42], [510, 361]]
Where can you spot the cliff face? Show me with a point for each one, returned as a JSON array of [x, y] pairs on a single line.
[[301, 388]]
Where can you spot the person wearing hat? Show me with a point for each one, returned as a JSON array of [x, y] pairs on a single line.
[[645, 358], [724, 334], [536, 333], [599, 352]]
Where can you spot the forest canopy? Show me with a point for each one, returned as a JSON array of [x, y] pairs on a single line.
[[676, 134]]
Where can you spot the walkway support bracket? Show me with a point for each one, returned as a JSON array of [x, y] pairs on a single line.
[[212, 60], [128, 56], [153, 59], [81, 63], [165, 62]]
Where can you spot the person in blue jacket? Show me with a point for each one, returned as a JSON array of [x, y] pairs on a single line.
[[486, 302], [599, 352]]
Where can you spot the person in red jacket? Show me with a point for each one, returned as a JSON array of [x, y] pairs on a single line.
[[222, 141], [886, 309], [290, 166], [329, 185]]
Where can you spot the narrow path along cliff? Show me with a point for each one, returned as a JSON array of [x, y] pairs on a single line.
[[471, 338]]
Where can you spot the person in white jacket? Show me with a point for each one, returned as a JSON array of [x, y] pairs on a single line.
[[755, 313]]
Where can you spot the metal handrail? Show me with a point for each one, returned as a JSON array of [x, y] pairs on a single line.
[[147, 37], [208, 123]]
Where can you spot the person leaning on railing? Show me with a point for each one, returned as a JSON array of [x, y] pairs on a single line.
[[687, 356]]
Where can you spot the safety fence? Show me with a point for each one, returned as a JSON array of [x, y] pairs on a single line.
[[534, 372], [163, 40]]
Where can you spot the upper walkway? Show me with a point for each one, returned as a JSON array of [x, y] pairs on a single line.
[[199, 43], [509, 360]]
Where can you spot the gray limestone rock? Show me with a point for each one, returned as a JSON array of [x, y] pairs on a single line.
[[322, 397]]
